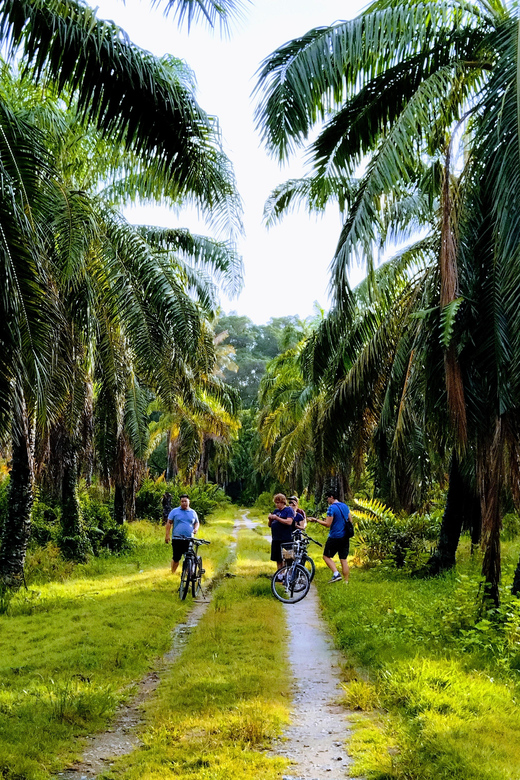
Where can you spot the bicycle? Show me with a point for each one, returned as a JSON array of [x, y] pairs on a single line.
[[192, 570], [305, 559], [292, 581]]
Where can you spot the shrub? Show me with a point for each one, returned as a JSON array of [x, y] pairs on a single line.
[[103, 532], [510, 526], [384, 536], [205, 497], [264, 503], [46, 564], [45, 524]]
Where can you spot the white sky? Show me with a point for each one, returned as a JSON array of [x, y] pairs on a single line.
[[286, 268]]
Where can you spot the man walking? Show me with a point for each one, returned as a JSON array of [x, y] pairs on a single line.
[[185, 522], [338, 540]]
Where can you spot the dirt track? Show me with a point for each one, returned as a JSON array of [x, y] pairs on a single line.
[[315, 742]]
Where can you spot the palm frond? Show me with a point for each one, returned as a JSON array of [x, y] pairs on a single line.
[[313, 193], [139, 100]]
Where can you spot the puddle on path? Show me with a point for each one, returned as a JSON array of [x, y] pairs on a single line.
[[315, 741]]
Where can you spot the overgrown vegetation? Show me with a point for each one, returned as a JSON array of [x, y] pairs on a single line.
[[205, 497], [72, 647], [435, 674]]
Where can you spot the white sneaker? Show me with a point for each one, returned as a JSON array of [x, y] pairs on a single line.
[[336, 578]]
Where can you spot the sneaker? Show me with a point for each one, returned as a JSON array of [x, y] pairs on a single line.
[[336, 578]]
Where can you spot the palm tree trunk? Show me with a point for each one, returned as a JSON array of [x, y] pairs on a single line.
[[490, 473], [444, 556], [17, 528], [172, 468], [74, 541]]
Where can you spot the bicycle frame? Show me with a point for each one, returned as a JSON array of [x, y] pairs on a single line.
[[192, 570]]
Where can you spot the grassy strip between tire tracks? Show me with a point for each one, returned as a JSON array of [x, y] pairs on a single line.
[[226, 697], [71, 650], [435, 681]]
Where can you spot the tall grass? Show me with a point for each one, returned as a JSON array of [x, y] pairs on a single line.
[[227, 696], [71, 648], [434, 674]]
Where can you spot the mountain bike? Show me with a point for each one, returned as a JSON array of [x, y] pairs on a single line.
[[291, 583], [305, 559], [192, 570]]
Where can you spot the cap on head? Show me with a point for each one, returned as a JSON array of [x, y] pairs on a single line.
[[293, 498]]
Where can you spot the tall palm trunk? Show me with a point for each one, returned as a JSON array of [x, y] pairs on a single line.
[[452, 520], [17, 528], [172, 467], [490, 470], [127, 472], [74, 541]]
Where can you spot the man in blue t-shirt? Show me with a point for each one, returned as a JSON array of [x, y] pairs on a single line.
[[185, 522], [337, 542]]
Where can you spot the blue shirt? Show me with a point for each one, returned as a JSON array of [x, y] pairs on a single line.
[[280, 532], [339, 513], [184, 521]]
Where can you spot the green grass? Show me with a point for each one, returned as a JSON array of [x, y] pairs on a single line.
[[434, 678], [71, 650], [226, 697]]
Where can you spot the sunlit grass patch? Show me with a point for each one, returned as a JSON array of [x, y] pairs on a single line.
[[71, 650], [227, 696], [441, 671]]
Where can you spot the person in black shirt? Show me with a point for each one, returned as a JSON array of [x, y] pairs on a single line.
[[281, 523]]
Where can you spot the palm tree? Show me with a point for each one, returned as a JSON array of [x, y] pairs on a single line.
[[398, 83], [146, 107]]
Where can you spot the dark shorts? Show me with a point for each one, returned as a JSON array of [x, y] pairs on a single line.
[[179, 547], [276, 550], [339, 546]]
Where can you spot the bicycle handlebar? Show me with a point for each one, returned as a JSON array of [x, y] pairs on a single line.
[[299, 531], [191, 539]]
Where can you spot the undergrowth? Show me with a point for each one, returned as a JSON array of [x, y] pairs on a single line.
[[72, 648], [433, 672]]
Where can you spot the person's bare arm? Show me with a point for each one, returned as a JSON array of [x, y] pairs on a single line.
[[167, 529], [327, 521]]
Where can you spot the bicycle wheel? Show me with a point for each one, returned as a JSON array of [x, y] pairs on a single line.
[[185, 579], [309, 565], [291, 583], [196, 578]]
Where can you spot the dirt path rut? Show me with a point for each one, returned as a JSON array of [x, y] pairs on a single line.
[[315, 741]]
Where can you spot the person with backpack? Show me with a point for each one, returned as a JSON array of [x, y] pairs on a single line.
[[341, 530]]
